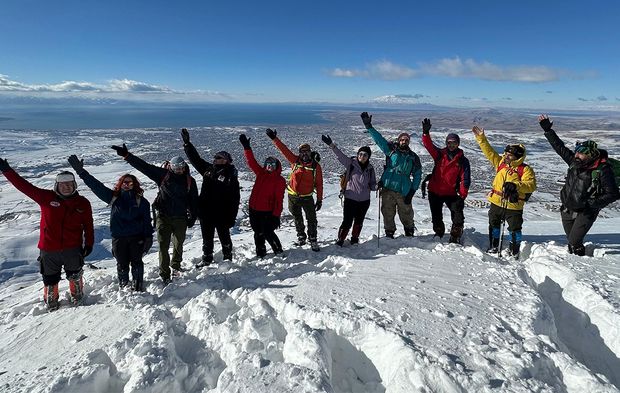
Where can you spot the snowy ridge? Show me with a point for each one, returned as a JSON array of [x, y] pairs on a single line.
[[401, 315]]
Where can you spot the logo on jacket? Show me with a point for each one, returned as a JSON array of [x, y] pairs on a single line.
[[55, 204]]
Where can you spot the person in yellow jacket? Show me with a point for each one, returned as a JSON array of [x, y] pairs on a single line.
[[513, 183]]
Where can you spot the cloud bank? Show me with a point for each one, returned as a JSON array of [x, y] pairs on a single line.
[[453, 68]]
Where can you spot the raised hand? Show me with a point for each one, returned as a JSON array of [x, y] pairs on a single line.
[[477, 131], [121, 150], [367, 119], [185, 136], [4, 165], [271, 133], [245, 142], [76, 164], [426, 126], [327, 140], [545, 122]]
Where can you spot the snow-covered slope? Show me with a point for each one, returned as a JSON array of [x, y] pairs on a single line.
[[401, 315]]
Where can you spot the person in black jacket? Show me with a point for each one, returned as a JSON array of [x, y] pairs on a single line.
[[176, 205], [582, 197], [219, 199], [130, 222]]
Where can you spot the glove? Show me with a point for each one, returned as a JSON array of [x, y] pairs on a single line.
[[191, 221], [86, 250], [409, 197], [275, 222], [327, 140], [545, 123], [318, 204], [510, 192], [76, 164], [121, 150], [426, 126], [185, 136], [148, 242], [366, 119], [245, 142], [271, 133], [4, 165]]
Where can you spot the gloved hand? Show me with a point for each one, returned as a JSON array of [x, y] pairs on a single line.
[[318, 204], [327, 140], [510, 192], [121, 150], [409, 197], [245, 142], [4, 165], [271, 133], [426, 126], [545, 123], [76, 164], [366, 119], [191, 221], [185, 136], [86, 250], [275, 222], [148, 243]]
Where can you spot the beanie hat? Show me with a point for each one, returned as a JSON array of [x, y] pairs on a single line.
[[589, 148], [63, 177], [453, 137], [224, 154], [365, 149], [177, 161], [404, 134], [304, 146]]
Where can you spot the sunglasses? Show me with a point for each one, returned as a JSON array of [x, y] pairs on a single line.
[[219, 158], [128, 182]]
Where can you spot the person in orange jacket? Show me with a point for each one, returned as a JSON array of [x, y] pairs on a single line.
[[306, 178]]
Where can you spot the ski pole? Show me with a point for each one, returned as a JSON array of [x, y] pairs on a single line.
[[378, 217], [503, 226]]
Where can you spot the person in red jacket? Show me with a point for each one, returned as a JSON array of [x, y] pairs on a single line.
[[265, 200], [448, 184], [66, 234]]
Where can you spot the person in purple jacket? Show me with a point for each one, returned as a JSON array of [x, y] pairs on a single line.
[[360, 180]]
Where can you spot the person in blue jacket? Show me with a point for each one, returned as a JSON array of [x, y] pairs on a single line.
[[130, 222], [400, 179]]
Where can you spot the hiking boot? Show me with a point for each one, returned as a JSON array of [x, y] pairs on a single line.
[[261, 252], [342, 235], [409, 232], [176, 272], [340, 243], [314, 245], [493, 245], [137, 285], [76, 287], [206, 260], [122, 284], [166, 281], [50, 297], [389, 234], [228, 256], [439, 230], [355, 240], [300, 241], [455, 234], [227, 252], [579, 250], [355, 234], [514, 249]]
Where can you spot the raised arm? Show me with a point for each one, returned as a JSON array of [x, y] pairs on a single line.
[[32, 192], [426, 139], [486, 147], [153, 172], [288, 154], [97, 187], [344, 160], [249, 155], [554, 140]]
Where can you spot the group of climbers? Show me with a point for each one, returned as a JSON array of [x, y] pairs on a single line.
[[67, 234]]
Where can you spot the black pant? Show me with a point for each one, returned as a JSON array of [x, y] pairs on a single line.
[[354, 212], [577, 224], [208, 227], [128, 252], [455, 203], [514, 218], [263, 226]]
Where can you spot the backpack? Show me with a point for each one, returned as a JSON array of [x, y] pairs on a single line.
[[596, 173], [344, 180], [520, 170]]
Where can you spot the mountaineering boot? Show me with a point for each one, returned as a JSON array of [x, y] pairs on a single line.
[[122, 283], [493, 245], [409, 231], [579, 250], [276, 246], [261, 251], [76, 287], [314, 245], [205, 261], [389, 234], [227, 252], [355, 234], [50, 297], [342, 235], [514, 248], [439, 230], [301, 240], [570, 249], [137, 285], [455, 234]]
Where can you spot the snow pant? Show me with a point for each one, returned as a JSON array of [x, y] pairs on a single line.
[[208, 226], [263, 227], [392, 202], [455, 203], [296, 205], [514, 218], [576, 226], [170, 228], [128, 252], [52, 262], [354, 213]]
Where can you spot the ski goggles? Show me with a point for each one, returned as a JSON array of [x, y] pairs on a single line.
[[589, 148], [271, 164], [177, 167], [516, 150]]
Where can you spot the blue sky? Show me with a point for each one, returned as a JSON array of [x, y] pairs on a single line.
[[553, 54]]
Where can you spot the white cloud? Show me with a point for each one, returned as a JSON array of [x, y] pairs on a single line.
[[127, 85], [454, 68]]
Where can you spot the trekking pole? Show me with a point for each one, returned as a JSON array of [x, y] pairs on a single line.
[[378, 217], [502, 227]]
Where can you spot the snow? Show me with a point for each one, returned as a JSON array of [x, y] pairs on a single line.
[[387, 315]]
